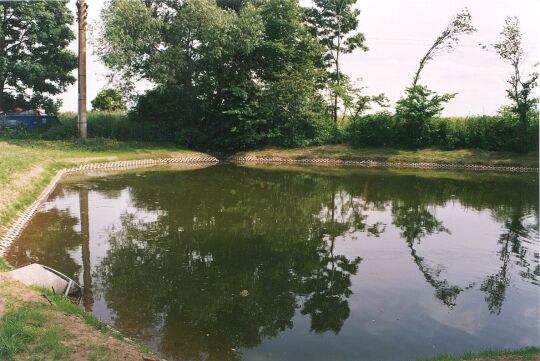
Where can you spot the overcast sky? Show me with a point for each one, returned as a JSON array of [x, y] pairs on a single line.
[[398, 34]]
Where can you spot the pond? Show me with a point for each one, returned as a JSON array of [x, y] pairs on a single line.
[[234, 262]]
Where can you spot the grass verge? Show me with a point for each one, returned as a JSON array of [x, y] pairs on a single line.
[[27, 330]]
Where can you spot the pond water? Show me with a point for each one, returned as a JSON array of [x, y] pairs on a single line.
[[281, 263]]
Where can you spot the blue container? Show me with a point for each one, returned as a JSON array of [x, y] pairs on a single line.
[[28, 121]]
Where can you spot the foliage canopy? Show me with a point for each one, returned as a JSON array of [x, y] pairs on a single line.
[[35, 63], [228, 78], [109, 100]]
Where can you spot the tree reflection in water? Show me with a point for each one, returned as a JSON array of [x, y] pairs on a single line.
[[517, 228], [230, 271], [229, 255], [416, 222]]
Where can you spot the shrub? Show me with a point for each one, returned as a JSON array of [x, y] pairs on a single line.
[[501, 132], [374, 130], [414, 114], [117, 126]]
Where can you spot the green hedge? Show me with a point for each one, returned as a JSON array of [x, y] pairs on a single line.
[[375, 130], [501, 132], [111, 125]]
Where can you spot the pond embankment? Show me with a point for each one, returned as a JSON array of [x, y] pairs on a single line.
[[336, 155], [29, 170]]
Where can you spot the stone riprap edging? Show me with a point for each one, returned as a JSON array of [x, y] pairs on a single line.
[[17, 227], [380, 164]]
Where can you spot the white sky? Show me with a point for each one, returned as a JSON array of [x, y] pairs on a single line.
[[398, 33]]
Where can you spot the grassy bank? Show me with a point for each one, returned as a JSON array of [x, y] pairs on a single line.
[[432, 155], [37, 324], [524, 354]]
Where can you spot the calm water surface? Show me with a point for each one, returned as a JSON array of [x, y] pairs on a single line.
[[255, 263]]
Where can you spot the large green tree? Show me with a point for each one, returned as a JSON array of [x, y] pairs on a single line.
[[335, 23], [221, 71], [35, 63]]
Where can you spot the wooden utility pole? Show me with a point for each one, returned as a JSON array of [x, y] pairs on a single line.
[[82, 15]]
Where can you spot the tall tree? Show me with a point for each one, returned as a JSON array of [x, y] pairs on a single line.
[[35, 63], [510, 49], [335, 23], [447, 40], [226, 78]]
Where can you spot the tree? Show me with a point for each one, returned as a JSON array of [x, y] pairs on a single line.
[[231, 78], [109, 100], [334, 23], [292, 75], [447, 40], [413, 113], [510, 49], [35, 63]]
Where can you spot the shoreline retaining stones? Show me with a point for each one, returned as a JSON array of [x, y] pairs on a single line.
[[22, 220], [18, 225], [381, 164]]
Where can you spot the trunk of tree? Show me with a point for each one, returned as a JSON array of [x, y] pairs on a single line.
[[82, 68], [338, 81], [338, 75], [2, 101], [523, 129], [3, 55]]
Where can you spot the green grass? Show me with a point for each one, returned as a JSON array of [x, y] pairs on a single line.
[[432, 155], [21, 154], [26, 329], [4, 267], [102, 354], [523, 354], [62, 304]]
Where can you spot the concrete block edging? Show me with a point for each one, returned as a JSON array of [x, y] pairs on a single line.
[[381, 164], [22, 220], [17, 226]]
